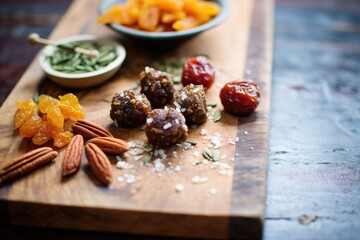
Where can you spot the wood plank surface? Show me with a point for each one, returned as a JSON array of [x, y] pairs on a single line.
[[151, 205]]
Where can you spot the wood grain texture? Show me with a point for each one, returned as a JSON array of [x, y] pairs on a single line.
[[151, 205], [314, 154]]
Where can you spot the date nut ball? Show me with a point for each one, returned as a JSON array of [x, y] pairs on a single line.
[[192, 104], [157, 86], [165, 127], [129, 109]]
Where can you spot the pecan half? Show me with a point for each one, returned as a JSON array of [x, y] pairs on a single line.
[[72, 158], [110, 145], [26, 163], [90, 130], [99, 163]]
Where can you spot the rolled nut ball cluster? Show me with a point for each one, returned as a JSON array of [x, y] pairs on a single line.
[[157, 86], [192, 103], [129, 109], [165, 127]]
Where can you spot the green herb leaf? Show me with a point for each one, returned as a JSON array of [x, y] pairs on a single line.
[[149, 148], [207, 154], [211, 105], [106, 100], [217, 115], [36, 97], [147, 158], [216, 155], [191, 142]]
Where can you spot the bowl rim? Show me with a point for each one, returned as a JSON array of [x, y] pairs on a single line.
[[167, 35], [45, 65]]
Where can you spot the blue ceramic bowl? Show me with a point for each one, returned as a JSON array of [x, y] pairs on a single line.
[[106, 4]]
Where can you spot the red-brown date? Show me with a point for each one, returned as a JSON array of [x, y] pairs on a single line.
[[240, 97], [198, 71]]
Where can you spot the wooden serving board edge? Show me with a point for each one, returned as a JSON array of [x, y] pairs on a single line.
[[250, 174]]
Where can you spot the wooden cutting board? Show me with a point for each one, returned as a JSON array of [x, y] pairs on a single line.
[[231, 203]]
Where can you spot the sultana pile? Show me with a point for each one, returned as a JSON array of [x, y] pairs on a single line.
[[45, 121]]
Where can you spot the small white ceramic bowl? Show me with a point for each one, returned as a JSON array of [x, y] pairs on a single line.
[[82, 80]]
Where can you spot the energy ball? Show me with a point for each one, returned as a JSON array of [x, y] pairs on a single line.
[[192, 104], [158, 86], [129, 109], [165, 127]]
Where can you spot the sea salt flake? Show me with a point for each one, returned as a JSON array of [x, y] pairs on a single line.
[[179, 187], [177, 168], [246, 132], [203, 132], [167, 126], [231, 142], [120, 179], [124, 165], [158, 165], [198, 179], [138, 157], [130, 178], [149, 120], [213, 191]]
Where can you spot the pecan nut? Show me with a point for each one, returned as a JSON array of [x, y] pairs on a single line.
[[110, 145], [90, 130], [72, 158], [99, 163], [26, 163]]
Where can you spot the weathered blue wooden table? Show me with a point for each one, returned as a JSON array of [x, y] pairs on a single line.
[[314, 158]]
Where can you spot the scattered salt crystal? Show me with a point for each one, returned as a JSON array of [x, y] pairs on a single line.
[[122, 94], [158, 165], [187, 145], [118, 158], [236, 154], [179, 187], [138, 97], [166, 108], [116, 123], [237, 139], [248, 72], [167, 126], [205, 161], [213, 191], [246, 132], [136, 151], [224, 172], [196, 154], [223, 157], [130, 178], [203, 132], [177, 105], [120, 179], [221, 165], [231, 142], [138, 157], [243, 140], [216, 140], [196, 90], [174, 154], [183, 109], [232, 159], [252, 148], [149, 120], [183, 96], [177, 121], [198, 179], [124, 165], [177, 168], [147, 69]]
